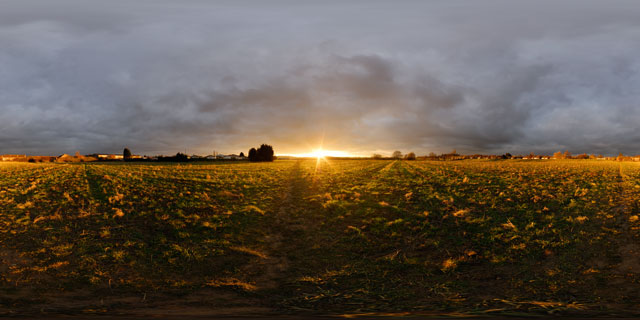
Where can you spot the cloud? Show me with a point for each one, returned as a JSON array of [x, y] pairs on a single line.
[[162, 77]]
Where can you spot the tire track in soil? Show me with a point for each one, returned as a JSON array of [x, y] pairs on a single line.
[[284, 226], [628, 247], [275, 263], [622, 272], [293, 231]]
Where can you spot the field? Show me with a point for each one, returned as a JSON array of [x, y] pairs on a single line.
[[353, 237]]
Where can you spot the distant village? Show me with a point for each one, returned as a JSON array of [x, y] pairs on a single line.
[[77, 157]]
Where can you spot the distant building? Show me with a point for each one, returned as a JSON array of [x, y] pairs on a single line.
[[13, 157], [110, 156], [66, 158], [230, 157], [106, 156]]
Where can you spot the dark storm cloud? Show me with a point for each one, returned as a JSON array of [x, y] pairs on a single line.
[[363, 76]]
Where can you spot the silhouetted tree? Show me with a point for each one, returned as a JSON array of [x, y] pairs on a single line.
[[397, 155], [265, 153], [376, 156], [181, 157], [410, 156], [242, 154], [126, 154], [262, 154]]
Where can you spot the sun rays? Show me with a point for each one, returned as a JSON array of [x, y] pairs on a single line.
[[321, 153]]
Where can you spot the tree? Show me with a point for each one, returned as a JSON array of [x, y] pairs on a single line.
[[242, 154], [410, 156], [126, 154], [558, 155], [567, 154], [397, 155], [376, 156], [181, 157], [253, 155], [263, 154]]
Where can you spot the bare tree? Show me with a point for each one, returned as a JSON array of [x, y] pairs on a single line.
[[397, 155]]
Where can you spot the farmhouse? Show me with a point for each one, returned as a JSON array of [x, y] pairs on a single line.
[[66, 158], [231, 157], [12, 157], [107, 156]]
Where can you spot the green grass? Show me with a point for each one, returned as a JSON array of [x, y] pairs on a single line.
[[345, 236]]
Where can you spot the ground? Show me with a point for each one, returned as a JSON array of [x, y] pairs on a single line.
[[338, 237]]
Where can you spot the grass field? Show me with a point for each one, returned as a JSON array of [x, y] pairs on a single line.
[[340, 237]]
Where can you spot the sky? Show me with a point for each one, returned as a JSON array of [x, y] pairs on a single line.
[[362, 77]]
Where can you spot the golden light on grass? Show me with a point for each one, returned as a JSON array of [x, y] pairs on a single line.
[[321, 155]]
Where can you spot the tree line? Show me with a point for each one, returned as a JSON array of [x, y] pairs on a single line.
[[454, 155]]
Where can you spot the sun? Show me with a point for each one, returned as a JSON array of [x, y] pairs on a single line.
[[319, 153], [322, 154]]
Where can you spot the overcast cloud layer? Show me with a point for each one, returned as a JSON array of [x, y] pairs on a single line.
[[167, 76]]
